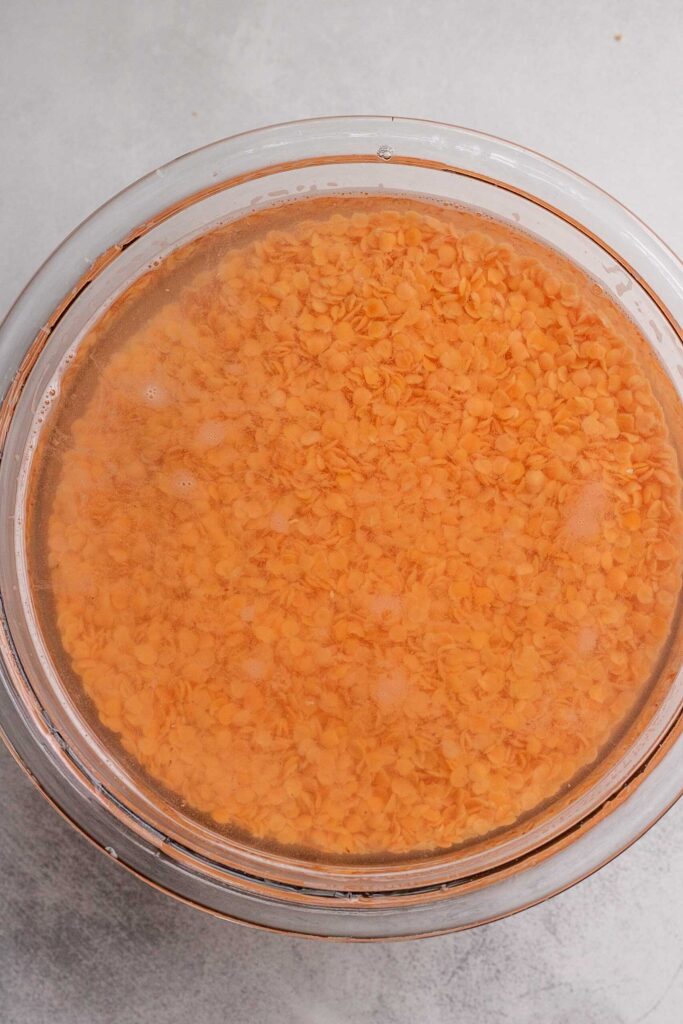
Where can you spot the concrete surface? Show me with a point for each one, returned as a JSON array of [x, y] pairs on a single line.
[[96, 93]]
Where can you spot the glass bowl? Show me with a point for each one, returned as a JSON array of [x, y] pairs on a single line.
[[595, 819]]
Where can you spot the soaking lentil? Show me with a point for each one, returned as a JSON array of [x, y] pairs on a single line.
[[364, 536]]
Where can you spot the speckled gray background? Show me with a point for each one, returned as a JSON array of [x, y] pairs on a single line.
[[97, 92]]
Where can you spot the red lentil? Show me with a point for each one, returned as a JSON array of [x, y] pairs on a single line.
[[368, 538]]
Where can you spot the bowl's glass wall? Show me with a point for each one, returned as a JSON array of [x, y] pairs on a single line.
[[185, 200]]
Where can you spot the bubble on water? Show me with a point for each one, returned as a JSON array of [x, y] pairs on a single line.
[[391, 689], [255, 668], [210, 433], [587, 640], [279, 522], [45, 403], [385, 604], [183, 482], [586, 513], [154, 394], [385, 152], [450, 748]]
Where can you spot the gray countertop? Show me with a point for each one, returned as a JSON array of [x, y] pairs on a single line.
[[95, 94]]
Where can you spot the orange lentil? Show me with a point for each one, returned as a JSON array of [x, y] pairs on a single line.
[[366, 537]]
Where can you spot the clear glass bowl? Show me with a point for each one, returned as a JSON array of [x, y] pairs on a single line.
[[617, 800]]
